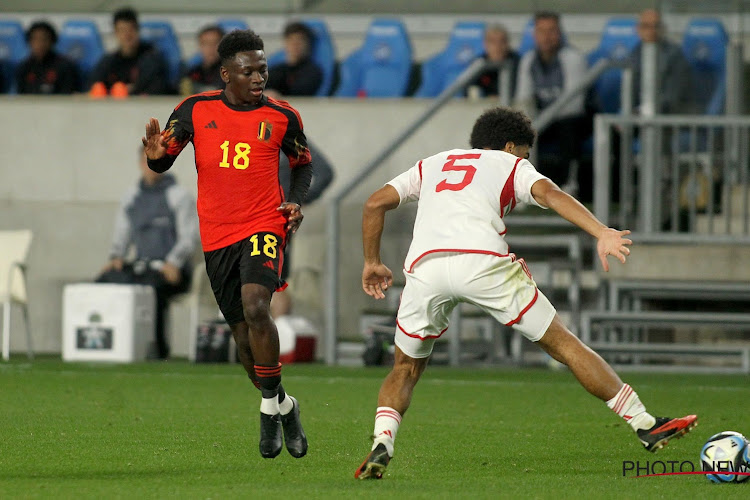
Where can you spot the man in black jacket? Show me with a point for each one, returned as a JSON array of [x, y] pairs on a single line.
[[137, 64], [298, 74], [45, 71]]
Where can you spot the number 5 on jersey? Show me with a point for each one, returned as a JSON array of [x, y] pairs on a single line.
[[241, 155], [450, 166]]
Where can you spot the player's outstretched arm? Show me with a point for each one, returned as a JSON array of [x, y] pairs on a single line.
[[376, 277], [609, 241]]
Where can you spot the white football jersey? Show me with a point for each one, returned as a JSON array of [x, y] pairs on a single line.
[[463, 196]]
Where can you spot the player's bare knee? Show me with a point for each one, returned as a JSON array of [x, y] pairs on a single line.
[[255, 307]]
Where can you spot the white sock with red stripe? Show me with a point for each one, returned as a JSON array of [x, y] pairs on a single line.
[[627, 404], [387, 421]]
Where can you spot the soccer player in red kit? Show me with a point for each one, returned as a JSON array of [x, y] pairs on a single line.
[[244, 219]]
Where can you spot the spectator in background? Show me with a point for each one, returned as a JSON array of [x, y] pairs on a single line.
[[159, 219], [136, 64], [674, 92], [497, 49], [205, 75], [298, 74], [544, 75], [281, 302], [45, 71]]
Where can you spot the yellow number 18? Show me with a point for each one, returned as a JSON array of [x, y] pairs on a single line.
[[241, 155], [269, 249]]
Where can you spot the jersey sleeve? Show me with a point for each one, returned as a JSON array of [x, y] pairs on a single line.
[[526, 176], [177, 133], [294, 143], [408, 184]]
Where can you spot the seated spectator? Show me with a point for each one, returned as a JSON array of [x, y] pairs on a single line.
[[497, 49], [159, 219], [298, 74], [674, 91], [281, 302], [205, 75], [544, 75], [45, 71], [136, 64]]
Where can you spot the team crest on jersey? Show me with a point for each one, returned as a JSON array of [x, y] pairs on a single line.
[[264, 131]]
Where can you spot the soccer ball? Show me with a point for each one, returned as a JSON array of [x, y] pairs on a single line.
[[725, 452], [745, 466]]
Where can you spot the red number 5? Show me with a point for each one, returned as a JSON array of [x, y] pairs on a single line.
[[451, 166]]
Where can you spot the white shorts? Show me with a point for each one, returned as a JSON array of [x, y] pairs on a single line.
[[500, 286]]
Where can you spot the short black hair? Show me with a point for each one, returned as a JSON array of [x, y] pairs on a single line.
[[498, 126], [212, 27], [238, 41], [127, 14], [547, 14], [42, 25], [299, 28]]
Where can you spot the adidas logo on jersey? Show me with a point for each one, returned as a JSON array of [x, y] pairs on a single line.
[[212, 124]]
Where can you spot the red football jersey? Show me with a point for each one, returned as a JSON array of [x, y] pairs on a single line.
[[237, 159]]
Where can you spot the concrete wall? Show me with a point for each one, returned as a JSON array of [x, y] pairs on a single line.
[[65, 162]]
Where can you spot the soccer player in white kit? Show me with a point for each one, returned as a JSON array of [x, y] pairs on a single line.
[[458, 254]]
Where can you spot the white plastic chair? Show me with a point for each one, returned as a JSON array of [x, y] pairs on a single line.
[[14, 249]]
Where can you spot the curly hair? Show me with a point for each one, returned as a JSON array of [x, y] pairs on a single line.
[[238, 41], [498, 126]]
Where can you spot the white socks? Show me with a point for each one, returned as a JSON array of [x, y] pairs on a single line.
[[387, 421], [286, 405], [271, 406], [627, 405]]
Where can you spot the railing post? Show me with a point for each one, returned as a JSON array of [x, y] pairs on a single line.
[[504, 78], [650, 150], [602, 151], [626, 151], [735, 68], [332, 284]]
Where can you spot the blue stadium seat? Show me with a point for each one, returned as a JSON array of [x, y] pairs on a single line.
[[323, 53], [381, 66], [13, 50], [527, 38], [161, 34], [439, 71], [705, 45], [230, 24], [80, 40], [619, 37]]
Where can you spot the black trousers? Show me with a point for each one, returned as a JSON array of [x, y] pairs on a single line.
[[143, 275], [560, 144]]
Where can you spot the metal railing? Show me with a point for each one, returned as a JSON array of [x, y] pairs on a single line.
[[332, 221], [678, 175]]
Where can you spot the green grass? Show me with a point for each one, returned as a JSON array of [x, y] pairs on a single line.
[[174, 430]]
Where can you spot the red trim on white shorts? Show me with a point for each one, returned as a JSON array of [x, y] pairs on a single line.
[[454, 250], [533, 301], [428, 337], [420, 170]]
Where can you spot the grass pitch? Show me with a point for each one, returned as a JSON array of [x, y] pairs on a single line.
[[175, 430]]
